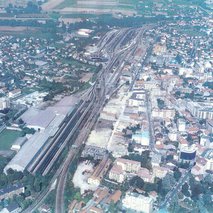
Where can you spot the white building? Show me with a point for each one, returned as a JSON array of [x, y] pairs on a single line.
[[18, 144], [138, 203], [210, 125], [4, 103], [204, 140], [209, 158], [209, 165], [15, 93], [164, 113], [201, 110], [172, 135], [128, 165], [181, 125], [117, 174]]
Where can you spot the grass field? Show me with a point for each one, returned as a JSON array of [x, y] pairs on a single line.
[[7, 138], [106, 4]]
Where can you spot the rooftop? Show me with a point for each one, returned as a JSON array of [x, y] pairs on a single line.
[[10, 188], [31, 148]]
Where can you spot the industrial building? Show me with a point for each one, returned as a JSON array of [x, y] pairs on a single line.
[[47, 122], [31, 149], [38, 119]]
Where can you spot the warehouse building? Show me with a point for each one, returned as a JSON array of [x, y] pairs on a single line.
[[31, 149]]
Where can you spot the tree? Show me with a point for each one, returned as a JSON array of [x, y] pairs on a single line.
[[158, 183], [146, 160], [161, 103], [185, 190], [177, 174], [37, 185], [167, 183], [112, 208], [20, 121], [196, 191], [148, 187], [130, 147], [27, 131], [143, 158], [208, 84], [207, 200], [3, 180], [136, 182], [177, 94]]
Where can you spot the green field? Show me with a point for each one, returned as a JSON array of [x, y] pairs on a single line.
[[7, 138], [122, 4]]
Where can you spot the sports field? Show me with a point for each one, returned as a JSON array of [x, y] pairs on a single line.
[[7, 138]]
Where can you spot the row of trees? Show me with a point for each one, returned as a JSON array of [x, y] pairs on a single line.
[[138, 182], [29, 9]]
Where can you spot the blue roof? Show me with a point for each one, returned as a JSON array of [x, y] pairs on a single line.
[[144, 134], [162, 211]]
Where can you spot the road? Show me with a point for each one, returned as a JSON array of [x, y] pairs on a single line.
[[176, 188]]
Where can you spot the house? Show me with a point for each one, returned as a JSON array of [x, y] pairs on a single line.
[[116, 173], [128, 165], [10, 190], [15, 93], [141, 138], [12, 208], [146, 175]]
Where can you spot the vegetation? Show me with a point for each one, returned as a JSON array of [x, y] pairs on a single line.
[[185, 190], [7, 138], [137, 182], [26, 131], [177, 174], [33, 184], [29, 9], [161, 103], [144, 159], [208, 84]]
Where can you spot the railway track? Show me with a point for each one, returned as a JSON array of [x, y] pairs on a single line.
[[75, 131]]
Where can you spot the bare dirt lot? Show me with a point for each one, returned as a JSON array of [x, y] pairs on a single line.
[[12, 29]]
